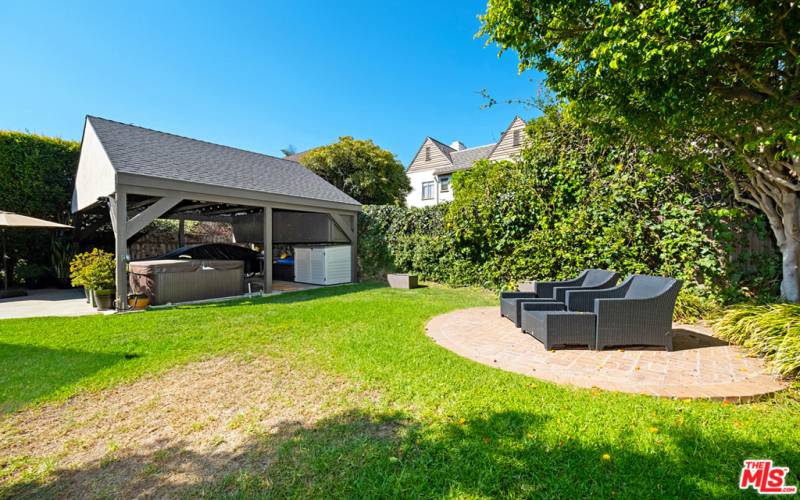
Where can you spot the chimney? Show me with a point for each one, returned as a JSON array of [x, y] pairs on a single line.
[[458, 146]]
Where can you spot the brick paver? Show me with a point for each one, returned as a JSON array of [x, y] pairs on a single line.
[[700, 367]]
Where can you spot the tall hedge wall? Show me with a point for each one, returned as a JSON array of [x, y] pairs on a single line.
[[571, 204], [36, 178]]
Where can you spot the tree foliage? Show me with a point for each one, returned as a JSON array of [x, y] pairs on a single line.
[[361, 169], [719, 80]]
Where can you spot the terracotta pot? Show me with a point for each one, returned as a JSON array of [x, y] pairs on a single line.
[[138, 301]]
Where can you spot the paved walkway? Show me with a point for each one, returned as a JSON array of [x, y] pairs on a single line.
[[700, 367], [46, 303]]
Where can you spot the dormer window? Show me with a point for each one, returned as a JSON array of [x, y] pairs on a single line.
[[427, 153], [516, 139]]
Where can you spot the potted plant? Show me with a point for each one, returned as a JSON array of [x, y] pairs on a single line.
[[97, 274], [76, 268]]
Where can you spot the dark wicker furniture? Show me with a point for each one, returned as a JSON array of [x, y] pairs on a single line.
[[637, 312], [554, 291], [553, 328]]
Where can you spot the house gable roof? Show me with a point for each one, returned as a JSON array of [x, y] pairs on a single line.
[[443, 149], [517, 122], [454, 159], [150, 153]]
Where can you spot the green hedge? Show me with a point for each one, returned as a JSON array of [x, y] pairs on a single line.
[[571, 204], [36, 178]]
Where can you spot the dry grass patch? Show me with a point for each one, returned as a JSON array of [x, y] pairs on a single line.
[[158, 435]]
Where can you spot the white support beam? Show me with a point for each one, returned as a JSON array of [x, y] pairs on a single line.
[[151, 213]]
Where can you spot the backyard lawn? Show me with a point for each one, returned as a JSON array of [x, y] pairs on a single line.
[[339, 392]]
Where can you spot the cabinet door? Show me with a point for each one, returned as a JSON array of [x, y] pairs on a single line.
[[302, 265]]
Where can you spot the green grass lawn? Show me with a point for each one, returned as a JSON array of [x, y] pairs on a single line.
[[443, 426]]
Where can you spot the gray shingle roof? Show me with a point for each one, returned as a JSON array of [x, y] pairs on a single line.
[[465, 158], [142, 151]]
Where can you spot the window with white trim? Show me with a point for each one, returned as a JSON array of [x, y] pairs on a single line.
[[517, 135], [444, 184], [427, 153], [427, 190]]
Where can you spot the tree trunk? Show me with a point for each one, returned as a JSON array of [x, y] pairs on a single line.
[[789, 244], [772, 188]]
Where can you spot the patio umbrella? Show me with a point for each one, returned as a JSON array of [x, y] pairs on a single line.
[[10, 219]]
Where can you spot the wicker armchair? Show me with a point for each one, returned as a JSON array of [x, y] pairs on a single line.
[[637, 312], [554, 291]]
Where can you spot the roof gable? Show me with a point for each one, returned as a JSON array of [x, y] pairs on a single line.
[[96, 176], [145, 152], [439, 156], [506, 147]]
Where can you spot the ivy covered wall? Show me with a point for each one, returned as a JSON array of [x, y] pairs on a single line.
[[572, 203], [36, 178]]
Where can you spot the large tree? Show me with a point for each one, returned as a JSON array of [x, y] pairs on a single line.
[[361, 169], [721, 78]]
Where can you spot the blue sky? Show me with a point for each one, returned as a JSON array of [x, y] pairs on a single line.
[[258, 75]]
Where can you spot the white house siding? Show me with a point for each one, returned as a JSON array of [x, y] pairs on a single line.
[[95, 177], [414, 198], [421, 170], [505, 148]]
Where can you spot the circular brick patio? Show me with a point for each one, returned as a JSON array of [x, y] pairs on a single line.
[[701, 366]]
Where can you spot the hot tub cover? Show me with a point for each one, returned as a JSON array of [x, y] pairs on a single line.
[[181, 265]]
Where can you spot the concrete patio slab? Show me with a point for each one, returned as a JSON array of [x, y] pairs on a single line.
[[700, 367], [48, 302]]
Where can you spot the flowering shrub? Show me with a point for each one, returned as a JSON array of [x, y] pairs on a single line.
[[94, 270]]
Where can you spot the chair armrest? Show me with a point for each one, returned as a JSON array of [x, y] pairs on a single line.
[[518, 295], [547, 288], [560, 292], [544, 306], [649, 309], [584, 300]]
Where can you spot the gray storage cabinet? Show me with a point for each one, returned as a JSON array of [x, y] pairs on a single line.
[[173, 281], [322, 265]]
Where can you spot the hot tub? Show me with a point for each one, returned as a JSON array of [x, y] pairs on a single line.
[[183, 280]]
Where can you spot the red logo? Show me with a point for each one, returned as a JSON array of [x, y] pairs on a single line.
[[764, 478]]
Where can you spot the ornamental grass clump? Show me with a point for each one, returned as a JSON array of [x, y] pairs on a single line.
[[771, 331]]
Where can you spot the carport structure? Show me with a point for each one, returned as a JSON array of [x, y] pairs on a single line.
[[139, 175]]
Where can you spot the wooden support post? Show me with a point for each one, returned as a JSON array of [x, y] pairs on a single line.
[[181, 232], [354, 251], [119, 217], [267, 250]]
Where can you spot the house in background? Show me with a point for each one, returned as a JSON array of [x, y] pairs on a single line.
[[435, 162]]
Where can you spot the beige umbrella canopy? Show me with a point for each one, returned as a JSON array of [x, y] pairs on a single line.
[[10, 219]]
